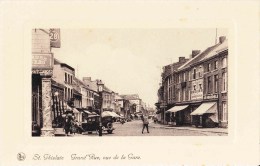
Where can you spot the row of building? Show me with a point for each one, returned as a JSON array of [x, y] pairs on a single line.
[[56, 89], [194, 90]]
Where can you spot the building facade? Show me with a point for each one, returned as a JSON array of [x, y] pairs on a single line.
[[196, 93]]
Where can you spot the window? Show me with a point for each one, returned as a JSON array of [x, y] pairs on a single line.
[[200, 87], [209, 66], [224, 112], [216, 65], [224, 62], [200, 71], [183, 94], [179, 95], [224, 81], [179, 78], [184, 77], [65, 90], [209, 84], [216, 83], [194, 73], [194, 88], [65, 77], [71, 79]]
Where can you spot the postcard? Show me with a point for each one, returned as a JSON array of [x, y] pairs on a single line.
[[130, 83]]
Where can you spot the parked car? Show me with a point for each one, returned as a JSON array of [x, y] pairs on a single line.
[[92, 124]]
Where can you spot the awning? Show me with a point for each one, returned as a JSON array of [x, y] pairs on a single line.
[[115, 114], [87, 112], [205, 108], [177, 108], [107, 113], [75, 111]]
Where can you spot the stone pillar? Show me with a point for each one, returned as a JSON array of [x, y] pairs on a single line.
[[47, 129]]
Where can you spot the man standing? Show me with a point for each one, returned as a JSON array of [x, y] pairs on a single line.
[[145, 124]]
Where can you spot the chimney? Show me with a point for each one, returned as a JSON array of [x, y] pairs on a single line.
[[222, 39], [86, 79], [194, 53], [182, 59]]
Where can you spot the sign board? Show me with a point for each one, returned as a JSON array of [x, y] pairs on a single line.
[[55, 38], [211, 96], [42, 61]]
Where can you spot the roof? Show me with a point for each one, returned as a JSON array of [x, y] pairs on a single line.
[[107, 89], [222, 47], [131, 97], [198, 57], [92, 85]]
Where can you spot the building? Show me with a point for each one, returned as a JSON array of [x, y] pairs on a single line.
[[166, 92], [42, 85], [92, 95], [200, 89]]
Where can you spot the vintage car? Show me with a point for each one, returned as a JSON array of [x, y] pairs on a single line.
[[91, 124]]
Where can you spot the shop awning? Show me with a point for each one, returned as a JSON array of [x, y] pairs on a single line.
[[205, 108], [87, 112], [75, 111], [177, 108], [115, 114]]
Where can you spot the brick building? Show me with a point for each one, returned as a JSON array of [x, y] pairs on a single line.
[[197, 93]]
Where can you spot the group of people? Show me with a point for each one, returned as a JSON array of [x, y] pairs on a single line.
[[71, 125]]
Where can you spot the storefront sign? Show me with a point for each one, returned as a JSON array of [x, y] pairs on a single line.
[[211, 96], [55, 38], [42, 61], [196, 96]]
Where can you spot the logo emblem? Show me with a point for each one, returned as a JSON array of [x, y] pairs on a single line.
[[21, 156]]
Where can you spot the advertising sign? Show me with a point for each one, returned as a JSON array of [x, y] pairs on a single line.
[[42, 61], [55, 38]]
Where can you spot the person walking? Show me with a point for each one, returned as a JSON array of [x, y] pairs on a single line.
[[145, 124]]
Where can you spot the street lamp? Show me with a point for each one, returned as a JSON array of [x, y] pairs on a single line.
[[100, 90]]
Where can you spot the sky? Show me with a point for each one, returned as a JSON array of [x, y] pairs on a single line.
[[130, 61]]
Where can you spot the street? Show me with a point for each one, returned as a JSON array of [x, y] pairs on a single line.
[[134, 128]]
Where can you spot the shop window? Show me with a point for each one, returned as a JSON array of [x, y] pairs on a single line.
[[224, 112]]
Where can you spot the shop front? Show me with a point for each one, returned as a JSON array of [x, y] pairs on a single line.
[[176, 115], [205, 115]]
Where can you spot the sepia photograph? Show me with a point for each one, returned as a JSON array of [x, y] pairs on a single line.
[[130, 82]]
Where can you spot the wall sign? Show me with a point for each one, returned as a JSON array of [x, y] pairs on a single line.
[[42, 61], [55, 38]]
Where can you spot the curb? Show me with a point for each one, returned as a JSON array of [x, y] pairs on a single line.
[[163, 127]]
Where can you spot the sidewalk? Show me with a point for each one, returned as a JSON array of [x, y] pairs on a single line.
[[213, 130]]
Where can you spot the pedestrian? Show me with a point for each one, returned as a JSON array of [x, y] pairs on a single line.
[[67, 125], [145, 124]]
